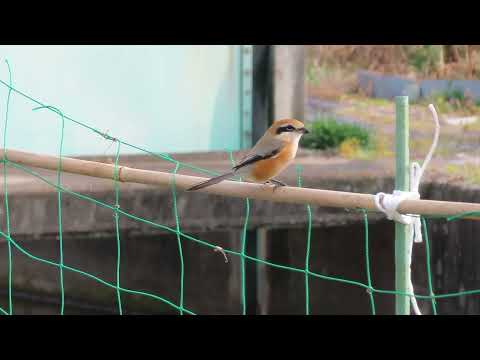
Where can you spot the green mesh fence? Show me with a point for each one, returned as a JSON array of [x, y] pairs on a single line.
[[177, 304]]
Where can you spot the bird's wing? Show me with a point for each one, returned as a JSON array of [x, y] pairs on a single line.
[[252, 157]]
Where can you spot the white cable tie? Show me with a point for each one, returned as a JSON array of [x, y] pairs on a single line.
[[388, 204], [416, 173], [220, 249], [413, 300]]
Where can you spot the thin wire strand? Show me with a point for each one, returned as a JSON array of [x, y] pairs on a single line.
[[59, 202], [117, 226], [308, 246], [367, 261], [243, 247], [177, 233], [429, 271], [5, 190]]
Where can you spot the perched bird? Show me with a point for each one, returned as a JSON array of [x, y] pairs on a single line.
[[269, 157]]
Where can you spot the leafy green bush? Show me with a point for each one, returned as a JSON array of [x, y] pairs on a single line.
[[455, 94], [328, 133]]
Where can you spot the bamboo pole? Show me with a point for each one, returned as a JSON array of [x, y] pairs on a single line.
[[402, 183], [327, 198]]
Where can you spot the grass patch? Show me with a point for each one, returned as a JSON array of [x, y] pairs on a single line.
[[379, 102], [349, 140], [468, 172], [453, 101], [328, 133]]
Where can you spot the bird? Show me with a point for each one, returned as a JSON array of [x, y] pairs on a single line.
[[272, 153]]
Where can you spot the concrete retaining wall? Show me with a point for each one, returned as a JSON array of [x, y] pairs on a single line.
[[150, 258], [387, 87]]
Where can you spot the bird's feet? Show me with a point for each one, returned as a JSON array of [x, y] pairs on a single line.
[[276, 183]]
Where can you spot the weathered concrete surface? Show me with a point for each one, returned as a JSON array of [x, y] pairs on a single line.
[[148, 263], [150, 256], [387, 87], [340, 251], [470, 87]]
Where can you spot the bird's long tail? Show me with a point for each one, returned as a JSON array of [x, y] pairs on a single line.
[[211, 181]]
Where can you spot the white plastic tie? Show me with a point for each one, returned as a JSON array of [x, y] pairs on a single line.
[[388, 204], [416, 173], [220, 249]]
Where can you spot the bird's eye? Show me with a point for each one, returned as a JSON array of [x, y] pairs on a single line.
[[287, 128]]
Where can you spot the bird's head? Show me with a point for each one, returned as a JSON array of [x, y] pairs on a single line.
[[288, 130]]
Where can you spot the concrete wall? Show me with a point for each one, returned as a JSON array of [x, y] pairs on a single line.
[[151, 96], [387, 87], [429, 87], [116, 88], [150, 257]]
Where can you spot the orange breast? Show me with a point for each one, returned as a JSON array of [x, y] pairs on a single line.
[[266, 169]]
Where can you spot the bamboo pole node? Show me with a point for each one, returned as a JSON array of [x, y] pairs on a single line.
[[119, 174]]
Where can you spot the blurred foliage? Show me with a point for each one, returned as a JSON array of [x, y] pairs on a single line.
[[328, 133], [426, 59], [415, 61], [466, 172]]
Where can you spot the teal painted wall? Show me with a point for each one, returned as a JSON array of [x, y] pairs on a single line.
[[162, 98]]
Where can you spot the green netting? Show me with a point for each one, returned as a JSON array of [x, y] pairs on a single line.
[[178, 303]]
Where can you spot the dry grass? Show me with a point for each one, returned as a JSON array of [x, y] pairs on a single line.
[[330, 84], [412, 61], [351, 57]]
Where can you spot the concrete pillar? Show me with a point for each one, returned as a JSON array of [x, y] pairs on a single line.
[[263, 285], [289, 84]]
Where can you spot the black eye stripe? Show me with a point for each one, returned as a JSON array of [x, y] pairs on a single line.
[[287, 128]]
